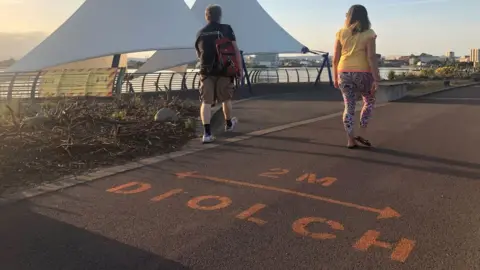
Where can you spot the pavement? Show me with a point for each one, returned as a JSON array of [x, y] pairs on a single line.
[[288, 197], [278, 109]]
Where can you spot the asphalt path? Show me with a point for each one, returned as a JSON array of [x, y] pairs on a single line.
[[292, 199]]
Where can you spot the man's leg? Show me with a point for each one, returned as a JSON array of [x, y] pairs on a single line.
[[227, 109], [225, 95], [207, 88]]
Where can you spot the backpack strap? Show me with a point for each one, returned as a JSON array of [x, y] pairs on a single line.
[[224, 28]]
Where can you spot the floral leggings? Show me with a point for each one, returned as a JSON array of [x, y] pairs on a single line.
[[352, 84]]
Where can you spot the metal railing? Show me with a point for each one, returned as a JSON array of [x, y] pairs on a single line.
[[26, 85]]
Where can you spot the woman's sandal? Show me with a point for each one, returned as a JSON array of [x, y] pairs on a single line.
[[352, 146], [363, 141]]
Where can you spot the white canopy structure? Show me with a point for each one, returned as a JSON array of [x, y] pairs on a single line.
[[100, 62], [107, 27], [255, 30], [170, 59]]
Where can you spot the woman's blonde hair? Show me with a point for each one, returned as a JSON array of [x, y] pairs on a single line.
[[357, 19]]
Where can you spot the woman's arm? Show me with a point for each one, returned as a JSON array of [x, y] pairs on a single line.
[[372, 59], [336, 58]]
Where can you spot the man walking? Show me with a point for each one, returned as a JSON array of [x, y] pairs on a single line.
[[220, 63]]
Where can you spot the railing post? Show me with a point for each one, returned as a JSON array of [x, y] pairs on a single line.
[[194, 78], [288, 76], [34, 86], [120, 77], [278, 76], [330, 77], [171, 80], [308, 73], [259, 74], [85, 85], [298, 75], [143, 82], [255, 76], [326, 63], [157, 82], [250, 74], [10, 87], [184, 81], [245, 74]]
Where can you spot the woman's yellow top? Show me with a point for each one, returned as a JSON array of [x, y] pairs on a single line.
[[354, 50]]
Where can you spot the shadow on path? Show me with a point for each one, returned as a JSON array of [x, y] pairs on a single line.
[[386, 151], [31, 241], [427, 168]]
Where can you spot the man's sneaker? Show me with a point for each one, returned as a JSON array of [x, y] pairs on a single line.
[[232, 127], [208, 138]]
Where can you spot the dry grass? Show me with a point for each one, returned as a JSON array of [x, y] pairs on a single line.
[[74, 136]]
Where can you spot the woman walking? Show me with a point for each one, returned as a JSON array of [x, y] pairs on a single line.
[[355, 70]]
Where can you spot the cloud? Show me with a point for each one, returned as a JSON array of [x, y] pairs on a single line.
[[16, 45]]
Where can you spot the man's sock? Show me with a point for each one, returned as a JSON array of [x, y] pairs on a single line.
[[206, 129], [229, 122]]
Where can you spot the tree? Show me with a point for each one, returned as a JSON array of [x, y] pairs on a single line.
[[7, 63], [427, 72], [445, 72], [436, 63]]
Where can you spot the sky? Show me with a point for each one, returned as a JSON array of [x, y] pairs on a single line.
[[403, 26]]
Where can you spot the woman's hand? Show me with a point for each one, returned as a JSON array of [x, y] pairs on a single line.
[[374, 87], [336, 84]]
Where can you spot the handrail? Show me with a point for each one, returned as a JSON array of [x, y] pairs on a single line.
[[26, 85]]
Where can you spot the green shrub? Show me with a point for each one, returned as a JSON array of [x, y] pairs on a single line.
[[391, 75], [427, 73], [445, 72]]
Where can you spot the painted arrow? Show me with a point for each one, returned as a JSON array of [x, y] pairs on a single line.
[[384, 213]]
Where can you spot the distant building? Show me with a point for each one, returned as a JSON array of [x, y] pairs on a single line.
[[7, 63], [413, 60], [475, 57], [465, 59], [450, 55], [425, 59]]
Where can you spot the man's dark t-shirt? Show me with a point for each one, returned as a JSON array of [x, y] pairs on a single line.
[[205, 47]]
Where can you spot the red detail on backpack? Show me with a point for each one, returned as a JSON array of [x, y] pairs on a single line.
[[227, 57]]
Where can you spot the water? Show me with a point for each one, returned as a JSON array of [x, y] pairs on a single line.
[[304, 74], [309, 74]]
